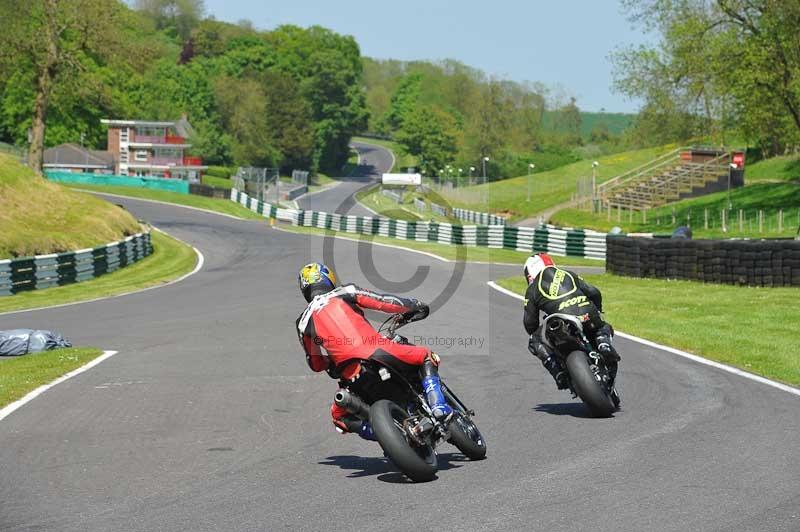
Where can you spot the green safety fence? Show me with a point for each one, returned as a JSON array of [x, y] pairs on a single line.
[[58, 269], [548, 238], [154, 183]]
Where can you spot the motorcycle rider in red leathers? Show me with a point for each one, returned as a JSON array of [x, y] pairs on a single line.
[[334, 320]]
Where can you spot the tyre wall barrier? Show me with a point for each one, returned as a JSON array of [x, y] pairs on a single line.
[[58, 269], [737, 262], [550, 239]]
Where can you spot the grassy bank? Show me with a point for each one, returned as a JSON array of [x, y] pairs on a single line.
[[548, 189], [224, 206], [775, 169], [23, 374], [760, 196], [170, 260], [472, 254], [751, 328], [39, 217]]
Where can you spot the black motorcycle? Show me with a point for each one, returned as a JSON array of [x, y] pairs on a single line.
[[392, 400], [591, 376]]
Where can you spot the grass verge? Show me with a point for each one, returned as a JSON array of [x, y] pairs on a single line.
[[407, 211], [170, 260], [472, 254], [217, 182], [224, 206], [23, 374], [751, 328]]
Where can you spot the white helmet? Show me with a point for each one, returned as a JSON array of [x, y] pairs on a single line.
[[535, 265]]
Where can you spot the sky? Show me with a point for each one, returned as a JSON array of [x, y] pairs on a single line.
[[562, 43]]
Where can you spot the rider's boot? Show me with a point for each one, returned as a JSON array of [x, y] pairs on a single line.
[[559, 375], [432, 386], [366, 431], [604, 346], [612, 374]]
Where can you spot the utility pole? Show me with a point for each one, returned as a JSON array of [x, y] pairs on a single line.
[[486, 192], [595, 164], [730, 171], [531, 166], [85, 153]]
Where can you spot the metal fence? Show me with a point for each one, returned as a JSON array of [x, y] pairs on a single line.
[[58, 269], [766, 222], [478, 217], [258, 181], [397, 197]]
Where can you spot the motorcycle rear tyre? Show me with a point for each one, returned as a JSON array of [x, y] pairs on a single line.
[[417, 463], [587, 387]]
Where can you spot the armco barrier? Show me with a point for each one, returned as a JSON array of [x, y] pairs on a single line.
[[482, 218], [154, 183], [571, 242], [44, 271], [737, 262]]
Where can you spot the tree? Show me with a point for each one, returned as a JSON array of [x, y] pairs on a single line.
[[243, 105], [48, 42], [491, 121], [289, 117], [403, 101], [178, 17], [570, 121], [723, 62], [430, 134]]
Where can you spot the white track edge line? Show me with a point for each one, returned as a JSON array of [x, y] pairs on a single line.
[[30, 396], [165, 203], [700, 360], [200, 262]]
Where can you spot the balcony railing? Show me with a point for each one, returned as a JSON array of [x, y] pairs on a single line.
[[158, 139], [166, 161]]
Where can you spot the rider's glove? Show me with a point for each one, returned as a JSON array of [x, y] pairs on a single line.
[[420, 312]]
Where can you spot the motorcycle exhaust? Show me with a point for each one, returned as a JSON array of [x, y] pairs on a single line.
[[352, 403]]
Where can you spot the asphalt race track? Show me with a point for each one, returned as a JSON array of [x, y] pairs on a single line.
[[375, 161], [208, 418]]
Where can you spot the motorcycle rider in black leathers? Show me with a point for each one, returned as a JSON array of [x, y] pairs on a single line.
[[551, 290]]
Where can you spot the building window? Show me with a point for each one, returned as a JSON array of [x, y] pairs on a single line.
[[123, 134], [141, 155]]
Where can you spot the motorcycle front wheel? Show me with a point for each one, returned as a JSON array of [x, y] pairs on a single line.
[[464, 434], [588, 388], [419, 463]]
